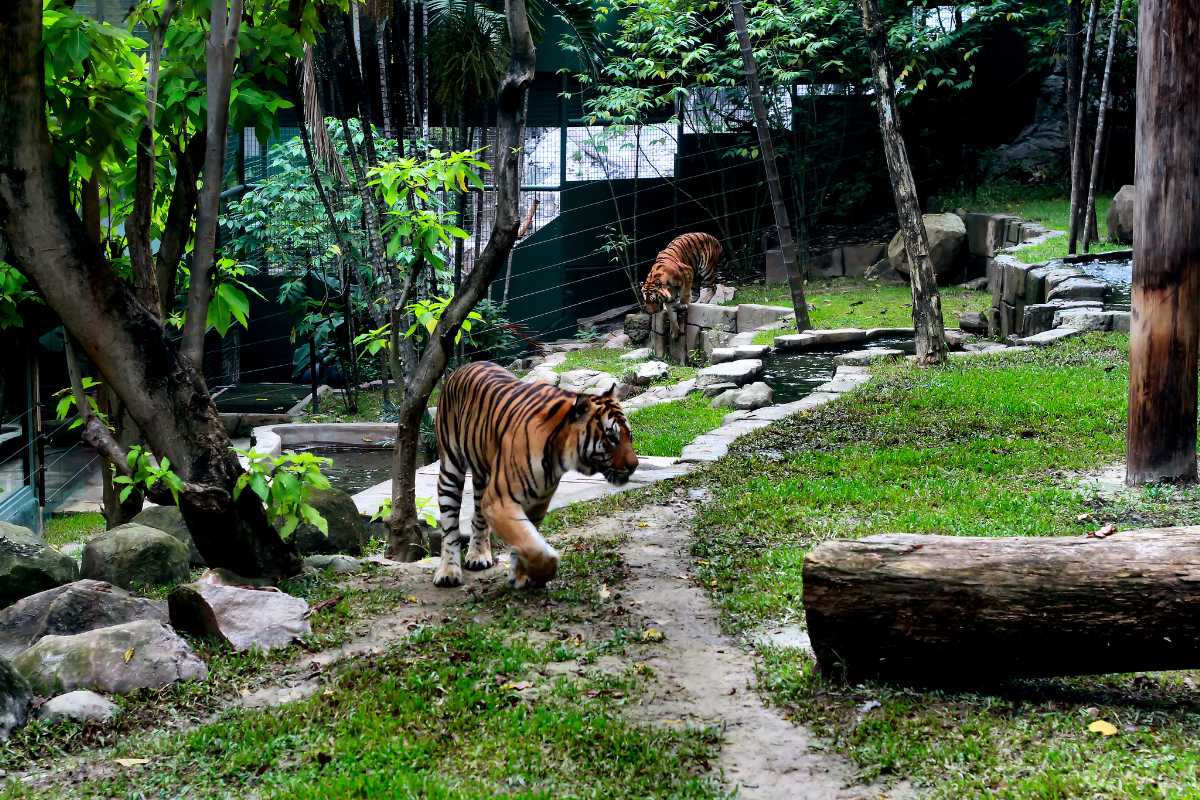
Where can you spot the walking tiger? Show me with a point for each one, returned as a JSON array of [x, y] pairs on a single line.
[[517, 440], [687, 258]]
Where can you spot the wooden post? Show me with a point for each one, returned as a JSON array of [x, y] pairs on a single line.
[[1165, 325], [927, 304], [774, 187]]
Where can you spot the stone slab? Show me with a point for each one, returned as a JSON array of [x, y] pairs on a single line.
[[707, 315], [752, 315], [741, 372], [859, 357], [1049, 337]]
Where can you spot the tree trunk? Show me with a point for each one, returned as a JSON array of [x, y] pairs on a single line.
[[1094, 173], [958, 609], [1166, 241], [1074, 22], [927, 304], [774, 187], [125, 340], [177, 229], [221, 52], [1077, 141], [404, 535]]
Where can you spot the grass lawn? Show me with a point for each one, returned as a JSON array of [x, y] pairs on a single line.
[[858, 303], [1046, 205], [67, 528], [977, 448], [608, 359], [664, 429]]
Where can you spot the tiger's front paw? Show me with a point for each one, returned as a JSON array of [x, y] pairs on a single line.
[[478, 563], [448, 576]]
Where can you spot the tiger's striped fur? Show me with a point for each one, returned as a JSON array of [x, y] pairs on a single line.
[[687, 258], [517, 440]]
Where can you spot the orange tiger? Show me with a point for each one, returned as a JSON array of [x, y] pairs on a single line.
[[690, 256], [517, 440]]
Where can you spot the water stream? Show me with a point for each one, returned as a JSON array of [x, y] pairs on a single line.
[[794, 375]]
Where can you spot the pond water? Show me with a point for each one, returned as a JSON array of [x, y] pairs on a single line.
[[355, 469], [1117, 274], [794, 375]]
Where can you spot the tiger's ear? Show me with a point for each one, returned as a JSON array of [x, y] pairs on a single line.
[[611, 393], [580, 409]]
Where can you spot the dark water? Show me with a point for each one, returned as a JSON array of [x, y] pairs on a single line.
[[1117, 274], [355, 468], [794, 375]]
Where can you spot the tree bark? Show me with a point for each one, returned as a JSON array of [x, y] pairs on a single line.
[[224, 24], [767, 147], [125, 340], [1077, 173], [957, 609], [1101, 115], [1074, 21], [1165, 324], [404, 536], [927, 304]]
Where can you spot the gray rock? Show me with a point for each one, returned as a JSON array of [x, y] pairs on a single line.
[[707, 315], [168, 519], [723, 354], [1048, 337], [717, 388], [76, 607], [882, 270], [1120, 215], [858, 258], [15, 697], [647, 373], [78, 706], [973, 322], [542, 375], [947, 235], [28, 565], [640, 354], [334, 562], [348, 532], [1120, 321], [1078, 289], [1082, 319], [589, 381], [752, 315], [637, 327], [133, 554], [245, 618], [756, 395], [117, 660], [956, 338], [1037, 152], [863, 357], [979, 284], [740, 372], [616, 340], [723, 294]]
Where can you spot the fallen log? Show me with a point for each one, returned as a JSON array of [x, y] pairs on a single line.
[[954, 610]]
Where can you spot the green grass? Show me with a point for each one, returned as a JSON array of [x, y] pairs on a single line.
[[1048, 206], [664, 429], [608, 359], [464, 709], [68, 528], [987, 448], [858, 303]]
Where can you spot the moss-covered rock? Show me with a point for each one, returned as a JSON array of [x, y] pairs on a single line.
[[28, 565], [348, 531], [168, 519], [135, 555], [15, 697]]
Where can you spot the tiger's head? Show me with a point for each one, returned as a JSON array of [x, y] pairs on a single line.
[[603, 443], [655, 295]]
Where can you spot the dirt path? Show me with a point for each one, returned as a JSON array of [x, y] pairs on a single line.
[[704, 678]]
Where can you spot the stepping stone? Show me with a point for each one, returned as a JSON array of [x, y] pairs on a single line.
[[640, 354], [1049, 337], [647, 373], [1077, 288], [78, 706], [863, 357], [722, 354], [739, 372], [751, 315]]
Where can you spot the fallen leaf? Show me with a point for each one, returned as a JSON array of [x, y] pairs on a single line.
[[1104, 532], [516, 686], [324, 604], [131, 762], [1103, 728], [1084, 516], [604, 593], [128, 655], [412, 598], [652, 635]]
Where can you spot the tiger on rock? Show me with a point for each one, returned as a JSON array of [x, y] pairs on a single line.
[[517, 440], [687, 258]]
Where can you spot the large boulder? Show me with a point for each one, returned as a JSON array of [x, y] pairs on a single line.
[[348, 532], [245, 618], [168, 519], [76, 607], [28, 565], [947, 233], [78, 706], [116, 660], [1036, 154], [1120, 215], [647, 373], [15, 697], [135, 555]]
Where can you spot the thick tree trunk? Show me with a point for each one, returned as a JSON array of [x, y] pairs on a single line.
[[1094, 174], [1078, 175], [125, 340], [927, 304], [956, 609], [178, 228], [782, 224], [404, 539], [1166, 266], [221, 50]]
